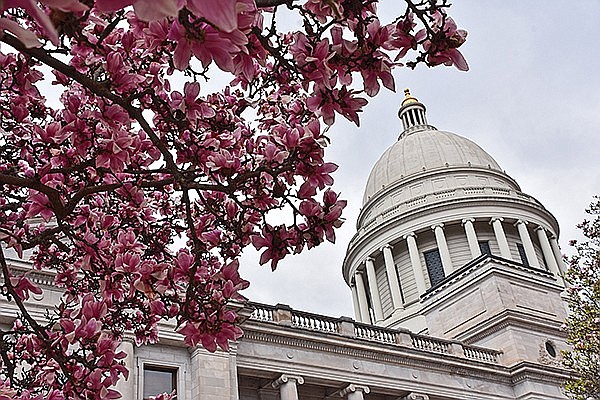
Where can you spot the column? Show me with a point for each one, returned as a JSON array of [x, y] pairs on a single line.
[[471, 237], [501, 238], [355, 302], [415, 262], [440, 239], [362, 298], [126, 386], [373, 289], [558, 254], [527, 244], [392, 276], [354, 392], [547, 251], [287, 385]]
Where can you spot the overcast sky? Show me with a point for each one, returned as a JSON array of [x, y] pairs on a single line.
[[531, 99]]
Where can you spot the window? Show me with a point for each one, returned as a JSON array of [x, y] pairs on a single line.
[[433, 261], [159, 379], [484, 246], [550, 349], [522, 254]]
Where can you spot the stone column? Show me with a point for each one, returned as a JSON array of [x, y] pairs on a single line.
[[440, 239], [392, 276], [415, 262], [373, 289], [354, 392], [362, 298], [547, 251], [558, 254], [287, 385], [126, 386], [527, 244], [471, 237], [355, 302], [501, 238]]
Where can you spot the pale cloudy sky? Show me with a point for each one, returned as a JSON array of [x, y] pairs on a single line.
[[531, 99]]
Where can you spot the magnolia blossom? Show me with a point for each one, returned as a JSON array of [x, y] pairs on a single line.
[[139, 193]]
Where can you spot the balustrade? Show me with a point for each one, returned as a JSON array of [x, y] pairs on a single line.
[[349, 328]]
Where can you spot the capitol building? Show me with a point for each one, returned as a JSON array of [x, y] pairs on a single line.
[[456, 282]]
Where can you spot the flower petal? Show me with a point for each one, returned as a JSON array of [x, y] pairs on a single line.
[[222, 13], [28, 38]]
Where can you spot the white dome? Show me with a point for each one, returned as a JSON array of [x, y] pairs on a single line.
[[423, 150]]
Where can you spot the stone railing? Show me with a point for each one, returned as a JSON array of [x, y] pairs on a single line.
[[480, 354], [431, 344], [285, 315], [314, 322], [262, 312], [370, 332]]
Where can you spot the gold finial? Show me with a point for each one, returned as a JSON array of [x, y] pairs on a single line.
[[408, 98]]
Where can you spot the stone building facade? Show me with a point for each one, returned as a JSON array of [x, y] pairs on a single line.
[[456, 281]]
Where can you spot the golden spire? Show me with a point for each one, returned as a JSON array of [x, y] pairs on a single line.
[[408, 99]]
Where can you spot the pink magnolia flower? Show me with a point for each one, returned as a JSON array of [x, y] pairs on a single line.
[[207, 44], [445, 49]]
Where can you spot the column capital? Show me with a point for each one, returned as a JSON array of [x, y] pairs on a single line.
[[520, 221], [409, 234], [440, 225], [369, 259], [416, 396], [285, 378], [540, 228], [494, 219], [351, 388], [386, 246], [465, 220]]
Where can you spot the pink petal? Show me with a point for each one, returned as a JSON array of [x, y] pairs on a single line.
[[112, 5], [28, 38], [458, 60], [182, 55], [153, 10], [222, 13]]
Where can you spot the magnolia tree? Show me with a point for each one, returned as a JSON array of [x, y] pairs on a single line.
[[139, 192], [583, 323]]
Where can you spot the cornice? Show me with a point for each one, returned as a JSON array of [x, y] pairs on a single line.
[[526, 370], [511, 318]]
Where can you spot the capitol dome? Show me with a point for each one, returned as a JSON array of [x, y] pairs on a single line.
[[425, 150]]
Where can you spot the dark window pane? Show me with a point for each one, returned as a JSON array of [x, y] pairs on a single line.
[[433, 261], [522, 254], [159, 380], [484, 246]]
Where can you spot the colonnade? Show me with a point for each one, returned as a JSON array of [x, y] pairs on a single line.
[[288, 390], [366, 296]]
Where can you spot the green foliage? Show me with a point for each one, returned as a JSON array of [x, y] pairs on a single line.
[[583, 323]]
